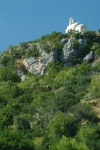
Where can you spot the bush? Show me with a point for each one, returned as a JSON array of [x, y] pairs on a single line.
[[6, 59], [47, 48], [24, 45], [83, 111], [32, 52], [19, 53], [75, 44], [78, 35], [7, 74], [22, 122], [91, 35], [90, 136]]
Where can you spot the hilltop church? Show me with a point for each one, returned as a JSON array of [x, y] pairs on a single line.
[[76, 26]]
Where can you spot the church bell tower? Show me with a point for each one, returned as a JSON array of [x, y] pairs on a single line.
[[71, 21]]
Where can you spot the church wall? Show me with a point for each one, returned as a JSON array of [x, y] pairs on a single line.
[[81, 29], [84, 28], [76, 26], [72, 27]]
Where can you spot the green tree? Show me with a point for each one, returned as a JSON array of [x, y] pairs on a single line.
[[6, 59], [22, 122], [15, 140], [90, 137], [75, 44], [69, 144], [9, 75]]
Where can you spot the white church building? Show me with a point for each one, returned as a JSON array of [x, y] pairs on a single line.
[[76, 26]]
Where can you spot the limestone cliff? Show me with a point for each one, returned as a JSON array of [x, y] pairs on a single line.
[[68, 52], [69, 49], [38, 65]]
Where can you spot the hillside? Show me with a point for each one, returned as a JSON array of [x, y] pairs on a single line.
[[50, 93]]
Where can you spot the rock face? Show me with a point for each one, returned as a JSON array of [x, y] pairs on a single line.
[[64, 40], [82, 42], [10, 50], [89, 57], [24, 77], [68, 52], [37, 66]]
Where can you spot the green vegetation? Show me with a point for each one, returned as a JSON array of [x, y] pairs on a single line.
[[75, 44], [53, 111], [32, 52]]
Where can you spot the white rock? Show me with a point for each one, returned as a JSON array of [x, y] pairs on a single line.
[[89, 57], [24, 77], [37, 66]]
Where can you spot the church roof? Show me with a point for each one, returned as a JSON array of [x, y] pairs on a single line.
[[74, 24], [81, 25]]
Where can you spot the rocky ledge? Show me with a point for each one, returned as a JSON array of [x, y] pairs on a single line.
[[38, 65]]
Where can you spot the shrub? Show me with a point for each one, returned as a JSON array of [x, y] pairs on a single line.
[[78, 35], [6, 59], [7, 74], [24, 45], [47, 48], [32, 53], [75, 44]]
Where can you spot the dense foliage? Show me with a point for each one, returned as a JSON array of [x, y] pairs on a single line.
[[53, 111]]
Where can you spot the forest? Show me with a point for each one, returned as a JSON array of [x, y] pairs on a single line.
[[59, 110]]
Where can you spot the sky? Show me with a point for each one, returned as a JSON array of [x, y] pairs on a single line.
[[27, 20]]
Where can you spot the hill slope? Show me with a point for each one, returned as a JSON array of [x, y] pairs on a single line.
[[50, 93]]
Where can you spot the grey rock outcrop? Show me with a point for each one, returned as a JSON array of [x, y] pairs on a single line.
[[24, 77], [37, 66], [68, 52], [64, 40], [82, 42], [89, 57], [19, 72], [10, 51]]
